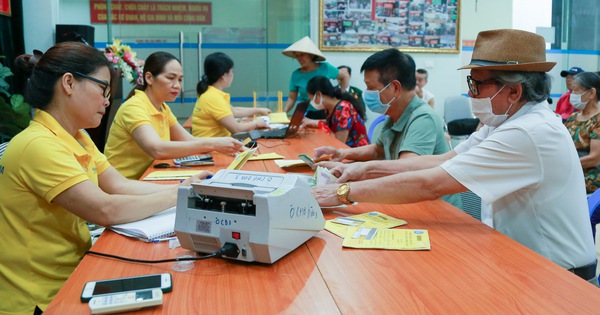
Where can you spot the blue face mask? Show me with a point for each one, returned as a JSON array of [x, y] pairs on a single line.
[[373, 101]]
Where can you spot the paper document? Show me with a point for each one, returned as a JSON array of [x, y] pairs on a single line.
[[340, 225], [266, 156], [398, 239], [149, 229], [241, 159], [289, 163], [170, 175], [279, 118]]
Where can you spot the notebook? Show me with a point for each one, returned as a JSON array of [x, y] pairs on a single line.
[[150, 229]]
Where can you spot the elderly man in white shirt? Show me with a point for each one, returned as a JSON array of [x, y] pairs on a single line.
[[522, 162]]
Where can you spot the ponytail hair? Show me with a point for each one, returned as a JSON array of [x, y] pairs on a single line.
[[44, 70], [323, 85], [155, 64], [215, 66]]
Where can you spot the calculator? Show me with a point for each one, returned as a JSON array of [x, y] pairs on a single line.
[[192, 159]]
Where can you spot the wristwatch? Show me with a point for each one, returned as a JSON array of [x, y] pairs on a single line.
[[342, 193]]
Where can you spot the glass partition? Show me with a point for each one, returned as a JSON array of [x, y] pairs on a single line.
[[252, 32]]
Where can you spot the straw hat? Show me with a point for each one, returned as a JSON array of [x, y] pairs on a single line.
[[510, 50], [304, 45]]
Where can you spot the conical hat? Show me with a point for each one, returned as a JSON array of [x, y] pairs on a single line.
[[304, 45]]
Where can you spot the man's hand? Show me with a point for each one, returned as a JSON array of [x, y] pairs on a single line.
[[328, 150], [326, 195], [351, 172]]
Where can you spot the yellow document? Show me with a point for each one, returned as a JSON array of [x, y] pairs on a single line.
[[335, 228], [266, 156], [397, 239], [378, 220], [241, 159], [279, 118], [171, 175], [340, 225]]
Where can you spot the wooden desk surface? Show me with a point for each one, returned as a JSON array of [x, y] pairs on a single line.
[[470, 269]]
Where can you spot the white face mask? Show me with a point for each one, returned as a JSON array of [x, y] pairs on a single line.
[[482, 109], [315, 105], [576, 101]]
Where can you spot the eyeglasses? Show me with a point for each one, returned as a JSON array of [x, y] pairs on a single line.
[[106, 86], [474, 84]]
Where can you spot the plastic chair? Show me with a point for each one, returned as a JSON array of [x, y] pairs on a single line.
[[374, 124], [457, 107], [593, 206]]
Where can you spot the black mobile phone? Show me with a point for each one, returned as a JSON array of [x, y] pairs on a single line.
[[110, 286]]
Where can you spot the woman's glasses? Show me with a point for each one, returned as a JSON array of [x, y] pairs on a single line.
[[105, 85], [474, 84]]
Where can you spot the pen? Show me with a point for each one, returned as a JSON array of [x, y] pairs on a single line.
[[156, 240]]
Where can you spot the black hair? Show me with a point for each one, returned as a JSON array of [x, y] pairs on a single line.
[[323, 85], [66, 57], [423, 71], [215, 66], [155, 64], [347, 68], [392, 65]]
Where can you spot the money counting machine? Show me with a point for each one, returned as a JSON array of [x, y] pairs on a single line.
[[267, 215]]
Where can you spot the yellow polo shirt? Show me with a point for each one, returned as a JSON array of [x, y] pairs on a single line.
[[122, 151], [212, 106], [42, 242]]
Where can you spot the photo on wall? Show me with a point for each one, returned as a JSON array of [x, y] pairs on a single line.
[[371, 25]]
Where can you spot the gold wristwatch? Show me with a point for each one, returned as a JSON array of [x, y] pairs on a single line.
[[342, 193]]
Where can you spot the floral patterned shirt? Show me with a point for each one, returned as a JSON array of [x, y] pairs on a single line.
[[345, 117], [582, 133]]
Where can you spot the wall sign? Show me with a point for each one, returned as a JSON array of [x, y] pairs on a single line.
[[151, 12]]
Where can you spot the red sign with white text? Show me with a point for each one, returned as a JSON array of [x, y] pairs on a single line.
[[151, 12], [5, 7]]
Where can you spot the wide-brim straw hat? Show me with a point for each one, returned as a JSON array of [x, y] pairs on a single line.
[[510, 50], [304, 45]]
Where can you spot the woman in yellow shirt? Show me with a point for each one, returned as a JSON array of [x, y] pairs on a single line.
[[53, 178], [213, 114], [144, 128]]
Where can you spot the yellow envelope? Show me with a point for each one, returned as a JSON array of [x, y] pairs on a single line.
[[241, 159], [171, 175], [266, 156]]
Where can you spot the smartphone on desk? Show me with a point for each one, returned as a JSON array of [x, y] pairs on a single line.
[[92, 289]]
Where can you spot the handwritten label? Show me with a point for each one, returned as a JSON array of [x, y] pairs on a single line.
[[256, 180], [303, 212]]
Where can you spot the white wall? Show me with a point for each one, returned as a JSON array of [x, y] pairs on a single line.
[[39, 20]]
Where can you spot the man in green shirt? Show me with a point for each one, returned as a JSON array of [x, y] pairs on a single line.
[[411, 129]]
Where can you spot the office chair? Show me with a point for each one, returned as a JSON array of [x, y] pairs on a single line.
[[2, 148], [374, 124], [457, 108], [593, 206]]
